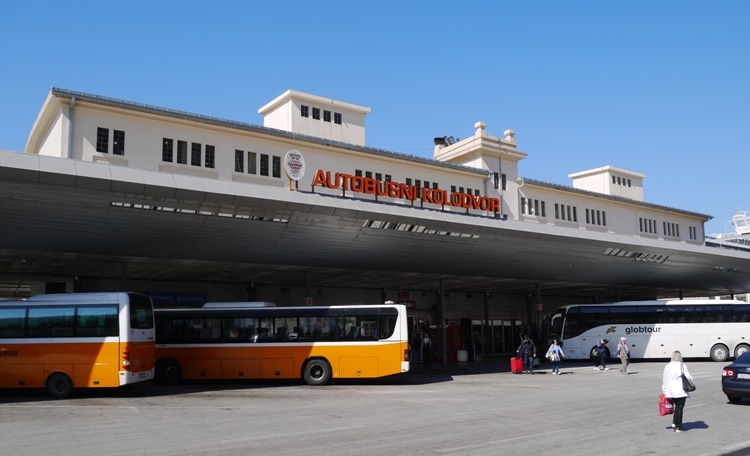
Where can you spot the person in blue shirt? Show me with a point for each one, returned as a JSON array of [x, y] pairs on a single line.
[[555, 354]]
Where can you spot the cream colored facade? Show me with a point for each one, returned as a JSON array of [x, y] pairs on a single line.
[[600, 200]]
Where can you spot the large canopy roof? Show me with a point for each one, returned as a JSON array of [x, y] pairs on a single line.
[[87, 220]]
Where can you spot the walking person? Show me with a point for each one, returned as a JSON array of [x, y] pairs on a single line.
[[527, 352], [623, 352], [602, 358], [555, 354], [416, 348], [672, 387], [426, 349]]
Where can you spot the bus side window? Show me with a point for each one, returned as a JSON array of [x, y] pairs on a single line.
[[12, 322]]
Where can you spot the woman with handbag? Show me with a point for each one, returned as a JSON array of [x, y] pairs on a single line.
[[672, 386], [554, 354]]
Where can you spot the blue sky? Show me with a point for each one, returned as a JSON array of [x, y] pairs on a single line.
[[657, 87]]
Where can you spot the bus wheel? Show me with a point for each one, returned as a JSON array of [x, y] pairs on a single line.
[[317, 372], [59, 386], [719, 352], [168, 372], [740, 349]]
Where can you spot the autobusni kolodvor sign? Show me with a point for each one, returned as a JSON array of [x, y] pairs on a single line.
[[397, 190]]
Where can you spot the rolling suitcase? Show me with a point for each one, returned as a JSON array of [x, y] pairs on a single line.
[[516, 365]]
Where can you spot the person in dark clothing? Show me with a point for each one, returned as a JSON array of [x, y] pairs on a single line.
[[527, 352], [416, 348], [602, 358]]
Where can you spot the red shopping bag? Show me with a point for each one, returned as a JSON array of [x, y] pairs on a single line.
[[666, 407]]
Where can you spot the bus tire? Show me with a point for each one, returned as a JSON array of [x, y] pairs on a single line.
[[740, 349], [316, 372], [720, 353], [59, 386], [168, 372]]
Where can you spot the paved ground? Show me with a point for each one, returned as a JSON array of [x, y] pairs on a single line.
[[472, 409]]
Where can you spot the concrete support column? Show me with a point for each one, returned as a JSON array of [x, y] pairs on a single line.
[[443, 332], [486, 322]]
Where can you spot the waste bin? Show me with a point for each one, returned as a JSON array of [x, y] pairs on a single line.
[[462, 356]]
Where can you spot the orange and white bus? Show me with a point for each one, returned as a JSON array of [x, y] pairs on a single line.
[[78, 340], [316, 344]]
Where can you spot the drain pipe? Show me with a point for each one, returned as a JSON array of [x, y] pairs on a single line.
[[70, 126], [520, 182]]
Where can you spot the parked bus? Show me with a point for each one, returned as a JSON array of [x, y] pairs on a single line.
[[79, 340], [699, 328], [316, 344]]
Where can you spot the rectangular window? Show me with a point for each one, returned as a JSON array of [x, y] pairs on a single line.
[[523, 205], [276, 166], [368, 173], [263, 165], [167, 149], [118, 142], [13, 322], [239, 161], [210, 156], [51, 322], [316, 113], [326, 116], [102, 140], [195, 154], [378, 177], [182, 152], [337, 118], [251, 163], [305, 111], [358, 172]]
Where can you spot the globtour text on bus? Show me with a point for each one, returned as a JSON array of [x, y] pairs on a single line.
[[641, 329], [398, 190]]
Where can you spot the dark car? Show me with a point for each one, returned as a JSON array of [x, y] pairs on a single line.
[[735, 379]]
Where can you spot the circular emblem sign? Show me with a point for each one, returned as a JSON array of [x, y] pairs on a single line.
[[294, 164]]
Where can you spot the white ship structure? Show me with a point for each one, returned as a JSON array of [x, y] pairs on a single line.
[[738, 239]]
